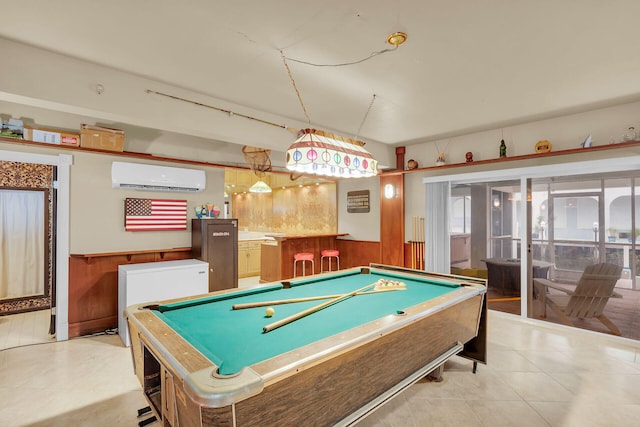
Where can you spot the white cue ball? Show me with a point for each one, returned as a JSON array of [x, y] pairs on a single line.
[[269, 311]]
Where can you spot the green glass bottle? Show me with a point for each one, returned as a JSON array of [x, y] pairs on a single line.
[[503, 149]]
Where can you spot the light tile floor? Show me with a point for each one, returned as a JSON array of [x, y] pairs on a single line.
[[538, 374], [25, 328]]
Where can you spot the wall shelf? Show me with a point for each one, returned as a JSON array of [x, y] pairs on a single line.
[[130, 154], [629, 144], [128, 254]]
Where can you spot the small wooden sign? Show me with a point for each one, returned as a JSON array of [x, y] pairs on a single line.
[[358, 201]]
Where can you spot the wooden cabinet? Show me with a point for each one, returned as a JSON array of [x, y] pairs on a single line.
[[216, 242], [270, 262], [249, 258], [277, 257]]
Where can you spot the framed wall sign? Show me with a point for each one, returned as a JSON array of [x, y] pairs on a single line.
[[358, 201]]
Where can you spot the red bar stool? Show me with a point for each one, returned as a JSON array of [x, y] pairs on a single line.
[[329, 253], [303, 257]]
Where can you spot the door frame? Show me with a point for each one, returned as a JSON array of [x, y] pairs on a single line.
[[61, 186]]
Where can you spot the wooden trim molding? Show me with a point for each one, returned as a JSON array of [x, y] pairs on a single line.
[[129, 254]]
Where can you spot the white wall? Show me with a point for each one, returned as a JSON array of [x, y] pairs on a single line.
[[360, 226], [565, 132], [96, 211]]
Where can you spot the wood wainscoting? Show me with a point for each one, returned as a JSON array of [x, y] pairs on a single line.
[[93, 286], [354, 253], [392, 219], [276, 261]]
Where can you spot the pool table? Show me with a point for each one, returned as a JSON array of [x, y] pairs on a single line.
[[202, 363]]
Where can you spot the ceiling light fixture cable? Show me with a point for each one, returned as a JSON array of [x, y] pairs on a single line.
[[372, 55], [293, 82], [365, 117], [395, 39]]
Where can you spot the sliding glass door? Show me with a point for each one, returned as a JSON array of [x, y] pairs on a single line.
[[523, 232], [574, 229]]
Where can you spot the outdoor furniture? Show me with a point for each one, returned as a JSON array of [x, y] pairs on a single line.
[[584, 300], [504, 273]]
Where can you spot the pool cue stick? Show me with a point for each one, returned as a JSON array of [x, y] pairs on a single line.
[[242, 306], [417, 241], [418, 246], [421, 243], [303, 313], [414, 254]]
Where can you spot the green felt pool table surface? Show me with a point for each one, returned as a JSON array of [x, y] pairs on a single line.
[[233, 339]]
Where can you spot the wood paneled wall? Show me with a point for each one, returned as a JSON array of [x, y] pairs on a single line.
[[93, 287], [392, 220], [306, 210], [287, 248], [355, 253]]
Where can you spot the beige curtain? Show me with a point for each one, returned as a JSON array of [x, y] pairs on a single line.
[[21, 243], [436, 227]]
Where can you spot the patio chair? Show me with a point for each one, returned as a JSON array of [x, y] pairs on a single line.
[[585, 299]]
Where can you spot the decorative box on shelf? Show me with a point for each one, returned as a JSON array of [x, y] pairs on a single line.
[[101, 138], [51, 136]]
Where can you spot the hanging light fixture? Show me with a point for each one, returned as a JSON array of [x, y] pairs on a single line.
[[260, 187], [321, 153]]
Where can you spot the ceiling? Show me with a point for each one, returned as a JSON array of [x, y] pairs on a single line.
[[466, 66]]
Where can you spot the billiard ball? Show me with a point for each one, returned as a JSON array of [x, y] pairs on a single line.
[[269, 311]]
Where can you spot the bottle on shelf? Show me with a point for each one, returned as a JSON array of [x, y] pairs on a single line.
[[630, 135], [503, 148]]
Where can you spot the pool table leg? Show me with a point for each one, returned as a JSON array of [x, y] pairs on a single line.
[[144, 412], [436, 374]]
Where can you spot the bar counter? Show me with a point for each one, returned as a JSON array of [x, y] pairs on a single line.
[[276, 261]]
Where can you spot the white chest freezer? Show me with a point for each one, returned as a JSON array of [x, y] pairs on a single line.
[[157, 281]]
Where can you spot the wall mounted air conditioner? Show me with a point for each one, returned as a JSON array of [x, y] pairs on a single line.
[[138, 176]]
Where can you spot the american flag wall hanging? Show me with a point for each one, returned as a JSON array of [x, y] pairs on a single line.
[[154, 214]]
